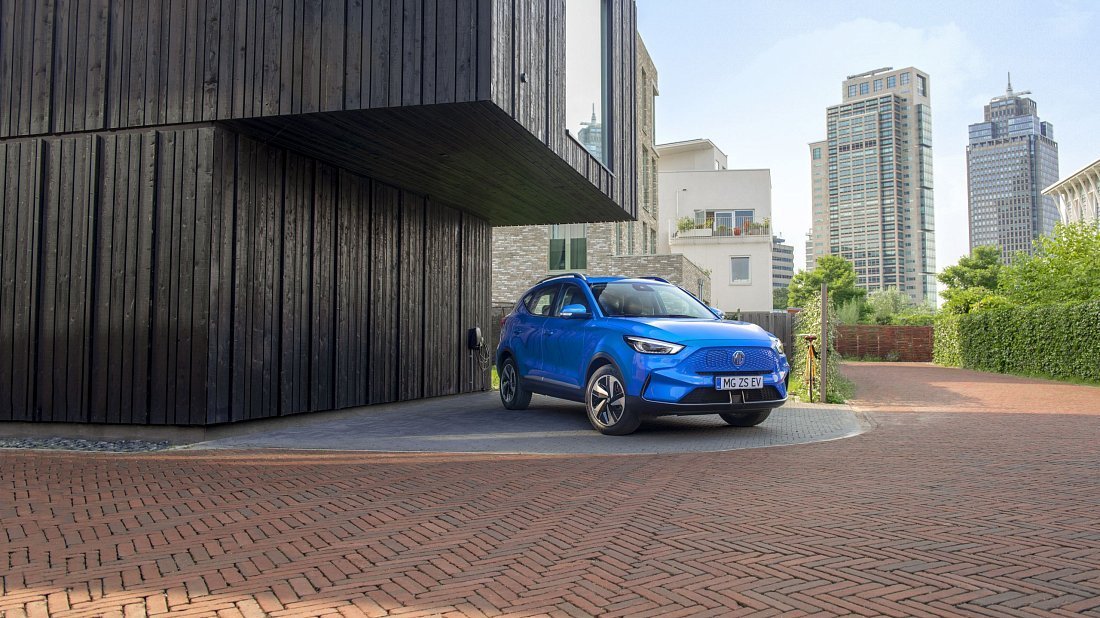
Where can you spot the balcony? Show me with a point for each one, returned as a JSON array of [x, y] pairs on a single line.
[[747, 230]]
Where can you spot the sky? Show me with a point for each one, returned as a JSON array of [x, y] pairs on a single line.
[[756, 77]]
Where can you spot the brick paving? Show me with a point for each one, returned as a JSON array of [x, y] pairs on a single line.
[[930, 514]]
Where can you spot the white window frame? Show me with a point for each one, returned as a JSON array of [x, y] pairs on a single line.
[[738, 282]]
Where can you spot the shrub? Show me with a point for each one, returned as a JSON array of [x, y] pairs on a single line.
[[1057, 341], [809, 323], [945, 340]]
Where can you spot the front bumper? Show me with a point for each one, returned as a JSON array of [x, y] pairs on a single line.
[[686, 386]]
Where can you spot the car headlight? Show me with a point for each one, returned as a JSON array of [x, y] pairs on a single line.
[[652, 346], [777, 345]]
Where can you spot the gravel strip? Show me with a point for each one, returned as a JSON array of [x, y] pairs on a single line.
[[70, 444]]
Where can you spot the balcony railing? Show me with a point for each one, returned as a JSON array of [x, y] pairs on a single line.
[[746, 230]]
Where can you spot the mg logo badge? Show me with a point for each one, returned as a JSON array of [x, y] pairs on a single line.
[[738, 358]]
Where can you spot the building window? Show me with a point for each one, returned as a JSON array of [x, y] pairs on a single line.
[[739, 270], [892, 81], [864, 88], [568, 247], [905, 79], [817, 153], [878, 85], [852, 90], [586, 88], [922, 85]]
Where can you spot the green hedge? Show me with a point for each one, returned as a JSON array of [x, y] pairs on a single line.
[[945, 344], [1059, 341]]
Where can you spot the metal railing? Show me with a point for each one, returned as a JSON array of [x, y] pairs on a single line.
[[750, 230]]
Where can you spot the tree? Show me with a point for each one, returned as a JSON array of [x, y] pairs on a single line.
[[832, 269], [974, 278], [779, 298], [1064, 268], [887, 304]]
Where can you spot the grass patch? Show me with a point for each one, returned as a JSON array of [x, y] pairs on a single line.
[[841, 389], [494, 379]]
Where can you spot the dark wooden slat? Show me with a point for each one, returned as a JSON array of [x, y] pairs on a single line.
[[466, 45], [211, 60], [311, 56], [446, 51], [412, 50], [222, 278], [323, 324], [108, 286], [353, 54], [380, 54], [274, 16], [428, 54], [332, 55], [484, 63], [410, 336], [384, 301]]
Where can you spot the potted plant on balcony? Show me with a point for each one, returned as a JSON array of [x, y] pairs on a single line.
[[685, 224]]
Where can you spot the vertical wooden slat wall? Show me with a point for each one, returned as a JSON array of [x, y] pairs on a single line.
[[196, 276], [81, 65]]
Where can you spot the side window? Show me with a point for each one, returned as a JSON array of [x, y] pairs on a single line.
[[573, 295], [541, 301]]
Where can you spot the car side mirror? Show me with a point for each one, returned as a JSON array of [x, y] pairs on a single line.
[[575, 312], [718, 313]]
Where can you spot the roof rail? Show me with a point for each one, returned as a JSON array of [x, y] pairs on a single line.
[[655, 278], [563, 275]]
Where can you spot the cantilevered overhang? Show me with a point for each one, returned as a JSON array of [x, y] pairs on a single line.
[[472, 156]]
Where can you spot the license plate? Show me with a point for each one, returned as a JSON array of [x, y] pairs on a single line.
[[737, 383]]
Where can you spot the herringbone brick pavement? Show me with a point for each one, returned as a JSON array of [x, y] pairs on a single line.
[[927, 515]]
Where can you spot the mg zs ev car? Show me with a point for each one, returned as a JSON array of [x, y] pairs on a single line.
[[636, 348]]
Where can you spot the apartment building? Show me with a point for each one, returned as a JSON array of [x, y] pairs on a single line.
[[872, 192]]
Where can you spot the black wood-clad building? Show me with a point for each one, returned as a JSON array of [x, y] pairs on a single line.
[[218, 211]]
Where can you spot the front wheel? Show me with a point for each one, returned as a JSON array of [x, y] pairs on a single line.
[[512, 393], [605, 400], [746, 419]]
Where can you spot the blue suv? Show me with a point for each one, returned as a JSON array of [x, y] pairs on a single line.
[[636, 348]]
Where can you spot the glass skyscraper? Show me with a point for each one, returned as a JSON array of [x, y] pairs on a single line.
[[872, 183], [1011, 158]]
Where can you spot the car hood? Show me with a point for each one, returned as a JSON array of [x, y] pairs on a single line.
[[681, 330]]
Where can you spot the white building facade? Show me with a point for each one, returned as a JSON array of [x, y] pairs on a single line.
[[720, 219], [1078, 196]]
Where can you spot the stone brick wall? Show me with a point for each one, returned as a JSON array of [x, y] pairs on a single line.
[[902, 343]]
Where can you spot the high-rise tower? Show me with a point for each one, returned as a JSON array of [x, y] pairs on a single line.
[[872, 180], [1011, 158]]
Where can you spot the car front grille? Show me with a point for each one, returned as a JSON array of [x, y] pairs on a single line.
[[708, 394], [720, 360]]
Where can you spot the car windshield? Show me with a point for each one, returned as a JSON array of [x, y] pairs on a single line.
[[634, 299]]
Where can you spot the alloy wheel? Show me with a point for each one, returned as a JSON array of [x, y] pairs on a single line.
[[508, 382], [608, 400]]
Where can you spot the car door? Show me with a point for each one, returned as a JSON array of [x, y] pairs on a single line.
[[564, 341], [528, 328]]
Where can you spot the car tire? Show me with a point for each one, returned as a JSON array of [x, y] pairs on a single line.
[[751, 418], [606, 402], [512, 393]]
